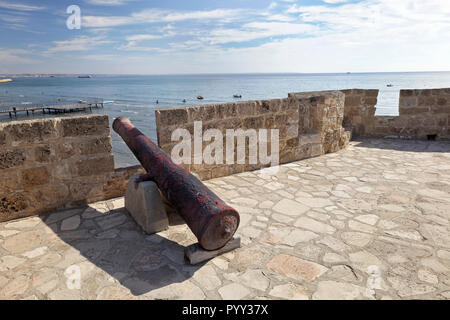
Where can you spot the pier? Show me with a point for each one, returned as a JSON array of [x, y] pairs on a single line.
[[69, 108]]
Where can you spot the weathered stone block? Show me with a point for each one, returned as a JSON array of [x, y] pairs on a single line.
[[204, 174], [143, 201], [12, 205], [352, 101], [371, 101], [95, 125], [442, 102], [84, 188], [276, 105], [94, 146], [218, 172], [50, 197], [35, 177], [406, 93], [316, 150], [311, 138], [426, 101], [42, 154], [264, 106], [9, 181], [30, 131], [292, 131], [11, 158], [171, 116], [293, 143], [116, 183], [95, 166], [202, 113], [2, 137], [227, 110], [64, 150], [372, 92], [247, 108], [408, 102], [253, 122]]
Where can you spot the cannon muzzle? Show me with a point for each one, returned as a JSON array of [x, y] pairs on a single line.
[[211, 220]]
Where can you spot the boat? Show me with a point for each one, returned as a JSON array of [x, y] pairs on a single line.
[[237, 96], [82, 101], [84, 77], [108, 102], [5, 80], [390, 85], [200, 98]]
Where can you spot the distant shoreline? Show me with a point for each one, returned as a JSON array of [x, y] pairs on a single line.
[[49, 75]]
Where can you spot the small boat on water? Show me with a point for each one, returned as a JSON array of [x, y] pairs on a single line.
[[5, 80], [390, 85], [237, 96], [200, 98], [108, 102], [84, 77]]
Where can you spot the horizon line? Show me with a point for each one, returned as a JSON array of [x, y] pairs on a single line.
[[220, 73]]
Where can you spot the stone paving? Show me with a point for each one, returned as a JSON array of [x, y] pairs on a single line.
[[368, 222]]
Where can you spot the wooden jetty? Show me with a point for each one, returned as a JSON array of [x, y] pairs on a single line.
[[69, 108]]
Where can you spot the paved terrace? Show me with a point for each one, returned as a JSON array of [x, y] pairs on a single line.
[[369, 222]]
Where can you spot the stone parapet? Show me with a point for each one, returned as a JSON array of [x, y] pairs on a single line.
[[56, 163], [424, 114], [309, 124]]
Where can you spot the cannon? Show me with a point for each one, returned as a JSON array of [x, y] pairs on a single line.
[[211, 220]]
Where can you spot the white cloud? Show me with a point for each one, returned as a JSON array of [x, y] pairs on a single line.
[[334, 1], [8, 18], [142, 37], [82, 43], [133, 40], [13, 56], [258, 30], [19, 7], [369, 35], [107, 2], [105, 22], [100, 57], [378, 20], [159, 15], [272, 5]]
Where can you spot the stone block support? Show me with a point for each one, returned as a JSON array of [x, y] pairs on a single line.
[[144, 202]]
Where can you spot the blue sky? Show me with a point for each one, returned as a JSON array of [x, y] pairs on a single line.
[[218, 36]]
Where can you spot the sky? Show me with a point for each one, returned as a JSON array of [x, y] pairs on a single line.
[[225, 36]]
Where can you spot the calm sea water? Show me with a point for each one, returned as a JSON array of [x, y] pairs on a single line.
[[136, 96]]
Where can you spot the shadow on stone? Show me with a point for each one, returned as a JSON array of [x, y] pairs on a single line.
[[404, 145], [112, 241]]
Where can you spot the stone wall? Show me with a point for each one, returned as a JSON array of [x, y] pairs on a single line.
[[322, 115], [360, 107], [423, 114], [309, 124], [49, 164]]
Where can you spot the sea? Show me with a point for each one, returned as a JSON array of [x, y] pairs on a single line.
[[138, 96]]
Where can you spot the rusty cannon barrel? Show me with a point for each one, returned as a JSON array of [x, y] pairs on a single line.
[[211, 220]]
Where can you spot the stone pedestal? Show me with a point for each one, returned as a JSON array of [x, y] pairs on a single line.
[[143, 201], [195, 254]]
